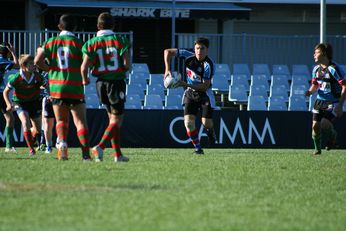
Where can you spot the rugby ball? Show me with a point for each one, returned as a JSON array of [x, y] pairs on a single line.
[[171, 81]]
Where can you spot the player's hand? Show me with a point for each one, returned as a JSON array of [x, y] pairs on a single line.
[[308, 93], [9, 108], [167, 73], [10, 47], [86, 81]]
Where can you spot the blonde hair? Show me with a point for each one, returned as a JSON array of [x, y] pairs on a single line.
[[25, 58]]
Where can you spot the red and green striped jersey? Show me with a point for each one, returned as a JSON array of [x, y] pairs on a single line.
[[64, 54], [105, 52], [25, 90]]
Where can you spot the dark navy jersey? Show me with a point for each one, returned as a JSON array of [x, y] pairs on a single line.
[[5, 65], [196, 71], [329, 81]]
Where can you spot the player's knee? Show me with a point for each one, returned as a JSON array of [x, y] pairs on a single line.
[[189, 125]]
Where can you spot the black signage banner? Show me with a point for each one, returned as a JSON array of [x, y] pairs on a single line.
[[234, 129]]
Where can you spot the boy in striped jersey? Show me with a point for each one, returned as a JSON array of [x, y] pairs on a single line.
[[64, 56], [26, 99], [108, 57], [329, 81], [6, 65]]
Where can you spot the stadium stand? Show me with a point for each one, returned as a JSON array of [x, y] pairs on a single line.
[[155, 89], [153, 102], [136, 89], [238, 95], [258, 90], [140, 67], [258, 69], [277, 80], [92, 101], [156, 79], [260, 79], [240, 79], [297, 103], [242, 68], [256, 103], [222, 68], [175, 91], [279, 90], [133, 102], [139, 77], [281, 69], [277, 103], [173, 102], [300, 69]]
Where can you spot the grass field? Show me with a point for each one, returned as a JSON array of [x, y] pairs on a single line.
[[172, 189]]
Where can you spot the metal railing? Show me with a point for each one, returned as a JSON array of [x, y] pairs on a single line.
[[26, 42], [269, 49]]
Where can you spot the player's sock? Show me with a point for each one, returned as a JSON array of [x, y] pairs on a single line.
[[83, 136], [42, 141], [316, 138], [9, 137], [61, 131], [194, 139], [28, 139], [107, 135], [115, 141]]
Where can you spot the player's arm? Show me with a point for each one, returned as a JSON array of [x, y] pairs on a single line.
[[198, 87], [126, 60], [84, 69], [167, 56], [339, 107], [8, 102], [13, 53], [39, 60]]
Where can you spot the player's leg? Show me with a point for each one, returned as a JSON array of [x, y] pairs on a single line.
[[115, 139], [78, 112], [61, 112], [25, 120], [328, 133], [207, 121], [191, 130], [9, 118], [48, 133]]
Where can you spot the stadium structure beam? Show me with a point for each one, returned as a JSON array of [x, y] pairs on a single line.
[[323, 21]]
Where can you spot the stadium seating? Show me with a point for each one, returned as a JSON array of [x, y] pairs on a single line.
[[240, 79], [279, 90], [260, 79], [298, 89], [133, 102], [153, 102], [155, 89], [277, 103], [297, 103], [92, 101], [312, 100], [300, 80], [140, 67], [238, 95], [256, 103], [136, 89], [222, 68], [300, 69], [175, 91], [259, 69], [280, 69], [241, 68], [277, 80], [220, 82], [173, 102], [156, 79], [139, 78], [258, 90]]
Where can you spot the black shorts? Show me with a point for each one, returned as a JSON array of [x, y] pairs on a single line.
[[323, 109], [111, 94], [195, 101], [47, 108], [67, 102], [2, 103], [33, 108]]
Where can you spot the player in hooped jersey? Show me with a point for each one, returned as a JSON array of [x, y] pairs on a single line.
[[6, 65], [26, 99], [64, 55], [107, 55], [199, 71], [329, 81]]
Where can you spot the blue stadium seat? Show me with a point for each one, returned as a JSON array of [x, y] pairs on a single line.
[[222, 68], [92, 101], [261, 69], [279, 80], [297, 103], [279, 90], [133, 102], [153, 102], [258, 90], [260, 79], [241, 68], [175, 91], [136, 89], [155, 89], [238, 95], [156, 79], [277, 103], [280, 69], [140, 67], [256, 103], [220, 82], [240, 79], [299, 79], [173, 102], [298, 89], [139, 77]]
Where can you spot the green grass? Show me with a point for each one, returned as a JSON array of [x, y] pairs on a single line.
[[172, 189]]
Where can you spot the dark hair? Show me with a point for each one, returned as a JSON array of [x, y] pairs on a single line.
[[105, 21], [68, 22], [3, 49], [326, 49], [203, 41]]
